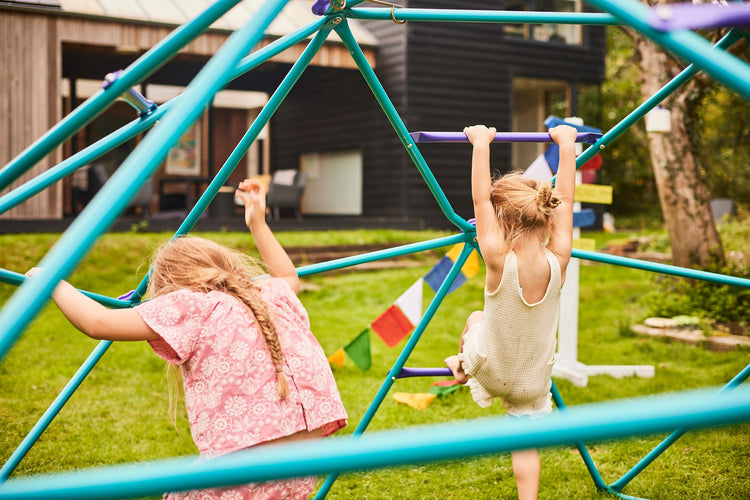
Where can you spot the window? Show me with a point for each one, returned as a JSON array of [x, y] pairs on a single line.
[[569, 34]]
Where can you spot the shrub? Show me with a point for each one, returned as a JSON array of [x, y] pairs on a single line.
[[716, 302]]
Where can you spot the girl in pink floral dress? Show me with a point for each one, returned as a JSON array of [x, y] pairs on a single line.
[[252, 371]]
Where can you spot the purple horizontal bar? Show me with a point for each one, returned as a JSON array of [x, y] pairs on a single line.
[[699, 16], [587, 137], [424, 372]]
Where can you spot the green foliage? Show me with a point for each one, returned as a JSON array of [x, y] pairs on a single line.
[[627, 165], [719, 131], [674, 296], [723, 147]]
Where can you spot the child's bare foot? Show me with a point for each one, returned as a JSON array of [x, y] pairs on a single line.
[[455, 366]]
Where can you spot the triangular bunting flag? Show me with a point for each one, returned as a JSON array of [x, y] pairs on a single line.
[[418, 401], [392, 326], [441, 390], [358, 350], [437, 275], [471, 266], [410, 302], [337, 358], [446, 383]]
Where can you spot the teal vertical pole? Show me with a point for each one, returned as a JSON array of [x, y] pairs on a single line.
[[123, 185], [136, 72], [398, 125], [618, 485], [405, 353]]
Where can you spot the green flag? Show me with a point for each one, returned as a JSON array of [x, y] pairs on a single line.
[[359, 350]]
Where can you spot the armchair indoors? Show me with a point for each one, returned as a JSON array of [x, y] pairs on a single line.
[[285, 191]]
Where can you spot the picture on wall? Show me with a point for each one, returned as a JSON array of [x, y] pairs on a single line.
[[184, 158]]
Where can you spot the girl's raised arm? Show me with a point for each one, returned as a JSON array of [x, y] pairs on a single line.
[[489, 237], [253, 194], [561, 240]]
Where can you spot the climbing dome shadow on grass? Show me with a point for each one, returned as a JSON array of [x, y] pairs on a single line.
[[669, 28]]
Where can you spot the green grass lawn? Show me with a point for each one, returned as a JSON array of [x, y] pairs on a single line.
[[119, 413]]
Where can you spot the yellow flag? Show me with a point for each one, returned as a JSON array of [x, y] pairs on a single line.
[[337, 358], [418, 401], [471, 266]]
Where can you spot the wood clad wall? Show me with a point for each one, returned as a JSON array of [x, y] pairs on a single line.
[[29, 103]]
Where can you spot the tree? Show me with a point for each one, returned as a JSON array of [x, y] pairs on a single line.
[[683, 193]]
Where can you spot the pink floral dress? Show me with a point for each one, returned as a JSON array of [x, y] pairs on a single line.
[[229, 379]]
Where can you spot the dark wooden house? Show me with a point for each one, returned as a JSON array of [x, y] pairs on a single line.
[[443, 77]]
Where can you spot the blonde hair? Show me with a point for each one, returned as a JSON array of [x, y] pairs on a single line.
[[201, 265], [524, 206]]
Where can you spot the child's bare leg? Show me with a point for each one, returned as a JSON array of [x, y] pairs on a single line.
[[526, 469], [452, 361]]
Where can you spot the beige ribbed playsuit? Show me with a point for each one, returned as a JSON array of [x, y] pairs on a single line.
[[510, 353]]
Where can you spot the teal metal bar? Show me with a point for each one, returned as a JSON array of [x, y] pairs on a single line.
[[387, 253], [124, 134], [405, 353], [661, 268], [587, 460], [618, 485], [724, 67], [136, 72], [422, 444], [398, 125], [17, 279], [113, 197], [483, 16]]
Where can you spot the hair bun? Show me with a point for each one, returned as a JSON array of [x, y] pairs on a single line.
[[546, 199]]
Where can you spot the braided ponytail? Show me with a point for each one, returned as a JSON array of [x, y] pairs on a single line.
[[250, 295]]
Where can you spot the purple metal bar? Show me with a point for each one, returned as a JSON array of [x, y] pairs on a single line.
[[424, 372], [320, 6], [587, 137], [131, 96], [699, 16]]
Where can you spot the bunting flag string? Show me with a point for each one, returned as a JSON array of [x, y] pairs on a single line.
[[399, 320]]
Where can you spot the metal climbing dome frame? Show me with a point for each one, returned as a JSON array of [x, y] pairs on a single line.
[[668, 26]]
